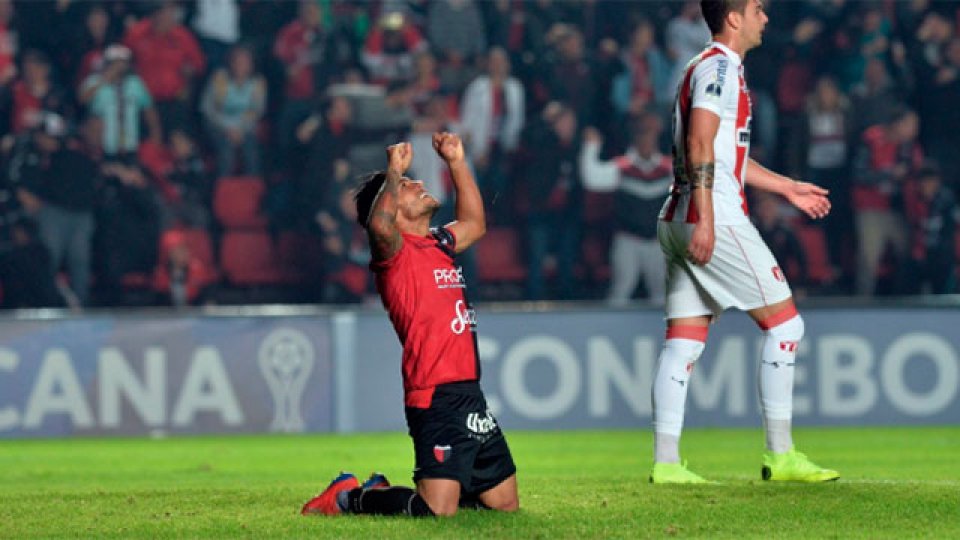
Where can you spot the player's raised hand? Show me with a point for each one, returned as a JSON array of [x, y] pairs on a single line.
[[399, 156], [809, 198], [448, 146]]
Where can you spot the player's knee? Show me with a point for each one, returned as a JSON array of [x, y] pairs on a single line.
[[687, 350], [436, 507], [789, 330], [510, 504]]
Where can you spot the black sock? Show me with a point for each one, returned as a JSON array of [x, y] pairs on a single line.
[[387, 502]]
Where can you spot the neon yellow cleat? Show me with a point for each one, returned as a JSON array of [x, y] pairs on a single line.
[[793, 466], [675, 473]]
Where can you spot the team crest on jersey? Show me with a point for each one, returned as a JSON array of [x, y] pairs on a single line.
[[442, 453], [778, 274]]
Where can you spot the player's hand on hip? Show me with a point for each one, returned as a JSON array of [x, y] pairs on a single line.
[[700, 247], [448, 146], [399, 156], [810, 199]]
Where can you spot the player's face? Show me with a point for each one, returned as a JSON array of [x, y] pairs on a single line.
[[754, 21], [416, 201]]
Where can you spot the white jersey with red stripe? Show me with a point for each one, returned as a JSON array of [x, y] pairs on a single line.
[[714, 81]]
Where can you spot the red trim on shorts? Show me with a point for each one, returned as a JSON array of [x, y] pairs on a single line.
[[778, 318], [763, 298], [688, 331]]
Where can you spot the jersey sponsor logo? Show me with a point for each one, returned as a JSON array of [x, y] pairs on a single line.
[[442, 452], [481, 423], [778, 274], [449, 278], [714, 89], [465, 317]]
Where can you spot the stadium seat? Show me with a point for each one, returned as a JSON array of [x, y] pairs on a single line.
[[237, 202], [819, 270], [498, 257], [249, 258]]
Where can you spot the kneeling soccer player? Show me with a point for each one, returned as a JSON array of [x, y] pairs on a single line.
[[462, 458]]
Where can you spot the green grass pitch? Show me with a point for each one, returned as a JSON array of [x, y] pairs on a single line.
[[896, 483]]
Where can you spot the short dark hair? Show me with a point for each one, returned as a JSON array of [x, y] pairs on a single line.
[[715, 11], [366, 193]]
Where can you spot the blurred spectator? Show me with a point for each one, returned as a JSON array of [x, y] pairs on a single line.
[[168, 59], [328, 136], [646, 77], [640, 179], [456, 29], [181, 275], [686, 35], [391, 47], [89, 45], [571, 78], [34, 92], [9, 47], [117, 97], [233, 104], [310, 59], [217, 24], [889, 156], [940, 88], [181, 176], [932, 212], [128, 228], [57, 186], [827, 134], [26, 271], [425, 83], [876, 98], [551, 180], [492, 115], [783, 243]]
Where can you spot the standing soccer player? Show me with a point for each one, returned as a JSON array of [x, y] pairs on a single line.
[[715, 257], [458, 446]]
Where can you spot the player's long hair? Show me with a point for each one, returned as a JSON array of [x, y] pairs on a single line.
[[366, 193]]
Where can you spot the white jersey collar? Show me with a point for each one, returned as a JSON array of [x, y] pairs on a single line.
[[727, 51]]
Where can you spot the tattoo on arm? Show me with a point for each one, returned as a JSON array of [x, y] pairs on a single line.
[[701, 175]]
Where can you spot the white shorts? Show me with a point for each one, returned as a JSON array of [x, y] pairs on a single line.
[[742, 273]]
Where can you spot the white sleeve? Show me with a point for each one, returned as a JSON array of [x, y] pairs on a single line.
[[596, 175], [710, 86]]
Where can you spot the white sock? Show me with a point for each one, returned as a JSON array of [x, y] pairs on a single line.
[[777, 359], [670, 394]]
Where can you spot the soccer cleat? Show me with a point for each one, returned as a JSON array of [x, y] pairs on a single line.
[[675, 473], [793, 466], [376, 481], [326, 502]]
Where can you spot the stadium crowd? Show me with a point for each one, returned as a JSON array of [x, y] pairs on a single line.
[[174, 153]]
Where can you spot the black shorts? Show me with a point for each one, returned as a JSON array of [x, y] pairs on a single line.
[[458, 438]]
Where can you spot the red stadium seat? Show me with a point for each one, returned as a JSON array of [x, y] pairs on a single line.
[[498, 257], [249, 258], [236, 202], [819, 270]]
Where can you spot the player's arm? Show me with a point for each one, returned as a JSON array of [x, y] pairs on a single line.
[[471, 222], [385, 238], [809, 198], [702, 130]]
